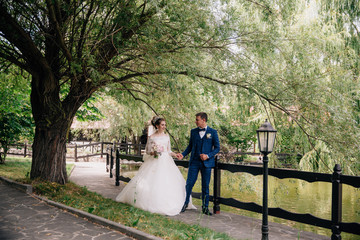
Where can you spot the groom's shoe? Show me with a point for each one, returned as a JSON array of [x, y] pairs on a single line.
[[206, 211], [183, 209]]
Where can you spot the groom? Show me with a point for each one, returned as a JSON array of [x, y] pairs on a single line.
[[203, 145]]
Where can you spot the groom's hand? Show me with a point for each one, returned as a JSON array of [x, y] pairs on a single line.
[[179, 156], [204, 157]]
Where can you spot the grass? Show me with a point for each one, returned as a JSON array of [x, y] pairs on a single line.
[[18, 169], [79, 197]]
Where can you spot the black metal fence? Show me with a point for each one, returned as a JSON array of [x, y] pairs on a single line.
[[116, 151], [336, 178]]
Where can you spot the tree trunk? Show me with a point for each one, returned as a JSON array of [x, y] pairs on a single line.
[[53, 119], [49, 154], [4, 146]]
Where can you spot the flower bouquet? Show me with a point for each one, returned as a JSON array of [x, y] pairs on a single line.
[[157, 149]]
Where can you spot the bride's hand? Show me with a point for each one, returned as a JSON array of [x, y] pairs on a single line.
[[179, 156]]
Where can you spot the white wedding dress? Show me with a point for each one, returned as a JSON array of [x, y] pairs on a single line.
[[158, 187]]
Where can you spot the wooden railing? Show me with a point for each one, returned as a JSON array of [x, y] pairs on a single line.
[[19, 149], [81, 151], [336, 178], [101, 149]]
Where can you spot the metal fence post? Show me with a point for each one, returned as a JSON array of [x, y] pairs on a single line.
[[75, 153], [117, 169], [111, 162], [107, 162], [217, 186], [25, 149], [336, 203], [102, 149]]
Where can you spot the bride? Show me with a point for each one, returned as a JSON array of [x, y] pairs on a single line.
[[158, 187]]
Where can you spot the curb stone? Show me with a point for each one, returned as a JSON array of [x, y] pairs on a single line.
[[132, 232], [22, 187]]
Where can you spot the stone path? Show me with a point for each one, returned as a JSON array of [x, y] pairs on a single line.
[[24, 217], [93, 175]]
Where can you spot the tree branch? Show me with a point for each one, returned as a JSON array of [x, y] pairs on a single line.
[[83, 29], [60, 37], [133, 90], [261, 5], [15, 61], [147, 104], [15, 34], [107, 50]]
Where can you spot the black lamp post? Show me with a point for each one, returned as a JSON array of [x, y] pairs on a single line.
[[266, 138]]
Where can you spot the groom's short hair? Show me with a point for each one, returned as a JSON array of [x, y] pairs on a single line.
[[202, 115]]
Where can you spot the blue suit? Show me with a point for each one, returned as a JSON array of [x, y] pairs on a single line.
[[209, 145]]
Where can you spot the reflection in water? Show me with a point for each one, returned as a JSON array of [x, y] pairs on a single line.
[[293, 195]]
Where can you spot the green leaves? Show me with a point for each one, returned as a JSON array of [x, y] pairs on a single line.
[[295, 63], [88, 111], [15, 114], [91, 209]]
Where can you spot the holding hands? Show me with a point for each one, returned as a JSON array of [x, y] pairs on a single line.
[[203, 157], [179, 156]]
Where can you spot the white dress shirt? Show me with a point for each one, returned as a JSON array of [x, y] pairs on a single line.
[[202, 133]]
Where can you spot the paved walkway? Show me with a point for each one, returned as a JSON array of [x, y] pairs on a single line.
[[93, 175], [24, 217]]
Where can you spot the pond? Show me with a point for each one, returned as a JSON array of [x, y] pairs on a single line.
[[293, 195]]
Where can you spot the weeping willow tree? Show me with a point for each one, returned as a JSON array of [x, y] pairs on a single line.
[[291, 65], [74, 48], [307, 79], [338, 138], [184, 54]]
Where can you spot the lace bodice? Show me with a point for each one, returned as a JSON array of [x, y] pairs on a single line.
[[158, 144]]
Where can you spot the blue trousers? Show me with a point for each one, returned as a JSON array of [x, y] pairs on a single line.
[[205, 180]]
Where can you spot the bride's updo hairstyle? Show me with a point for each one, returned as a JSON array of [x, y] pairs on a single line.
[[156, 121]]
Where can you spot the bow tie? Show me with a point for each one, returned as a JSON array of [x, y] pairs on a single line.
[[201, 129]]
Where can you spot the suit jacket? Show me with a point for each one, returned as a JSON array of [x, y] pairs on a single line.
[[209, 145]]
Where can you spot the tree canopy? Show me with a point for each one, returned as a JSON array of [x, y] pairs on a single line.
[[288, 57]]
